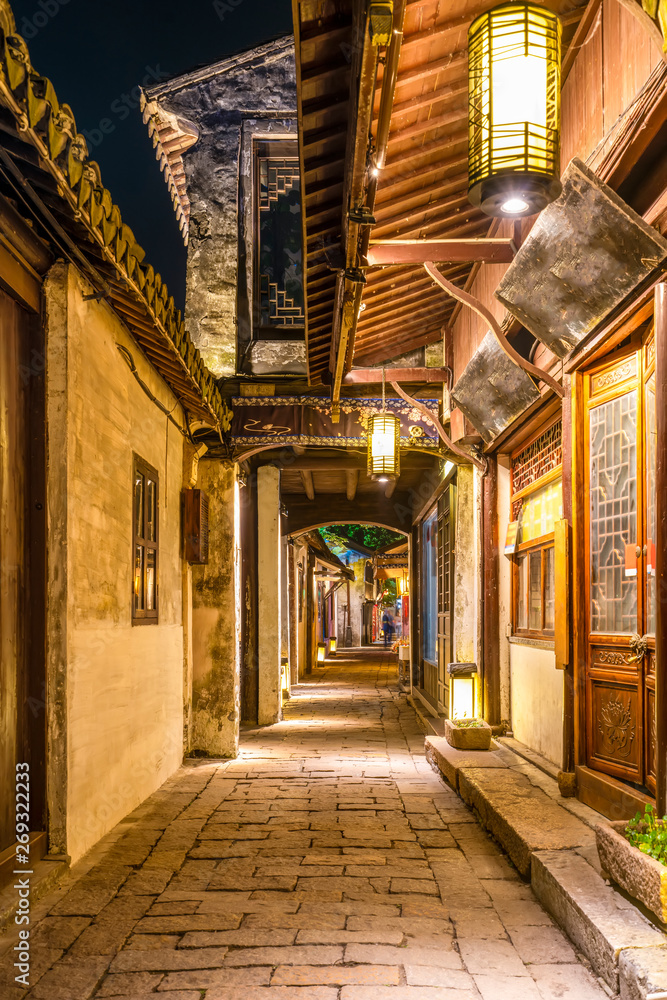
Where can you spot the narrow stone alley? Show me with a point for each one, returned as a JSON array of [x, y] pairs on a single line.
[[327, 862]]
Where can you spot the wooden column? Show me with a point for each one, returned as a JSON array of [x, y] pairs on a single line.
[[568, 761], [490, 609], [293, 613], [661, 546], [415, 599]]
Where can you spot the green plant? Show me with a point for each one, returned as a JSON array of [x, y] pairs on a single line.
[[468, 723], [649, 834]]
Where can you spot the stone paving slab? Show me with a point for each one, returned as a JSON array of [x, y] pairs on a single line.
[[328, 862]]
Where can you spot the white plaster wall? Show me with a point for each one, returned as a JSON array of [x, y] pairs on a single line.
[[124, 684], [537, 700], [269, 593], [504, 585]]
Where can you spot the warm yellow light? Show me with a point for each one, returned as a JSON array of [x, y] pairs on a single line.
[[383, 446], [332, 643], [321, 650], [514, 109], [463, 697]]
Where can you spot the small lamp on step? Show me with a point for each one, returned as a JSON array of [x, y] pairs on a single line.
[[462, 690]]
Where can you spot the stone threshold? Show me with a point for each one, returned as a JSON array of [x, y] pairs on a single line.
[[551, 842]]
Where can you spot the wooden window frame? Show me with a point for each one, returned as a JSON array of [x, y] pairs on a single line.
[[274, 148], [144, 616], [541, 545]]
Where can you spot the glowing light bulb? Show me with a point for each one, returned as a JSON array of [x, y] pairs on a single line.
[[514, 206]]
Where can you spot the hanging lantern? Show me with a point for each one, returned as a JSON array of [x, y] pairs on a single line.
[[384, 437], [514, 110]]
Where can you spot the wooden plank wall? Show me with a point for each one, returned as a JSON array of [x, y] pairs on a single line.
[[613, 64]]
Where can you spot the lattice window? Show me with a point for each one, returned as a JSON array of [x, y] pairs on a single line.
[[279, 278], [613, 505], [543, 455]]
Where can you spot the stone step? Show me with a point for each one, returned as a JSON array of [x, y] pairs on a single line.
[[450, 761], [600, 922], [521, 817]]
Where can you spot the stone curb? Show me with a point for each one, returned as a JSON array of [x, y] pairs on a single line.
[[548, 845]]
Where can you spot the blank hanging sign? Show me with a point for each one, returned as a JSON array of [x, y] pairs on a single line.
[[493, 391], [586, 254]]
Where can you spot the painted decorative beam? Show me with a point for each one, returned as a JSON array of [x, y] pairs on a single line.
[[373, 376], [492, 250]]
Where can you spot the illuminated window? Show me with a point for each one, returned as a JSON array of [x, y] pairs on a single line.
[[534, 567], [145, 544]]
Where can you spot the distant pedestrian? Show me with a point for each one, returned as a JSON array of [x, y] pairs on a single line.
[[388, 629]]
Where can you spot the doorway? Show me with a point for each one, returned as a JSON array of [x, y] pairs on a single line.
[[620, 596]]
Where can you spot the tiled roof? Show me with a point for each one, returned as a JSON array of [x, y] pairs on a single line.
[[69, 181]]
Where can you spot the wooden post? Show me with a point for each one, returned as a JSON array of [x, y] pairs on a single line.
[[293, 612], [568, 761], [661, 546], [415, 621], [490, 609]]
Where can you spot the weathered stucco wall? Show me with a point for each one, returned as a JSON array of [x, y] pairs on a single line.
[[216, 618], [537, 700], [357, 592], [120, 735], [269, 576], [252, 93]]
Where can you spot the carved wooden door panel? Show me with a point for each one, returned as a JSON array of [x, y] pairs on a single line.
[[620, 677]]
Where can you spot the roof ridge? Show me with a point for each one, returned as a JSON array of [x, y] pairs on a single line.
[[199, 75], [51, 128]]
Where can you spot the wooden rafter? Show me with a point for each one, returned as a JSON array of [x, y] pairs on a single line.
[[497, 251]]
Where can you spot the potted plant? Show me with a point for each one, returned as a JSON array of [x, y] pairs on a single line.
[[468, 734], [634, 855]]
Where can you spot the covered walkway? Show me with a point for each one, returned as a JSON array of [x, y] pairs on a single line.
[[327, 862]]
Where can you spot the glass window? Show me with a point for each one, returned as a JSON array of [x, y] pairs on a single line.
[[145, 544], [651, 442], [613, 507], [430, 587], [534, 581]]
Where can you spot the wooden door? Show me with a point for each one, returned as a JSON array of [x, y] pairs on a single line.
[[446, 514], [620, 562]]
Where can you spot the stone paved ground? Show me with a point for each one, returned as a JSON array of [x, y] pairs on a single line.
[[328, 862]]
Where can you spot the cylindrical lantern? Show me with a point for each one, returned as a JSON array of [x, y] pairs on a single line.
[[462, 690], [514, 110], [384, 446]]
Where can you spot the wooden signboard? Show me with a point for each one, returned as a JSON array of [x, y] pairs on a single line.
[[585, 255], [493, 391]]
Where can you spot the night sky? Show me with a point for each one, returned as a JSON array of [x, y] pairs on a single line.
[[96, 52]]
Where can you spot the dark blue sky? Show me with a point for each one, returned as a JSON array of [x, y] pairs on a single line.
[[96, 53]]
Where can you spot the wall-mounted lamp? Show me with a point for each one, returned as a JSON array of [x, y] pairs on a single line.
[[462, 690], [514, 110]]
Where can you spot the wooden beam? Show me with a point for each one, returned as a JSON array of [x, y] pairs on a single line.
[[307, 480], [661, 546], [335, 508], [363, 376], [351, 483], [496, 251]]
